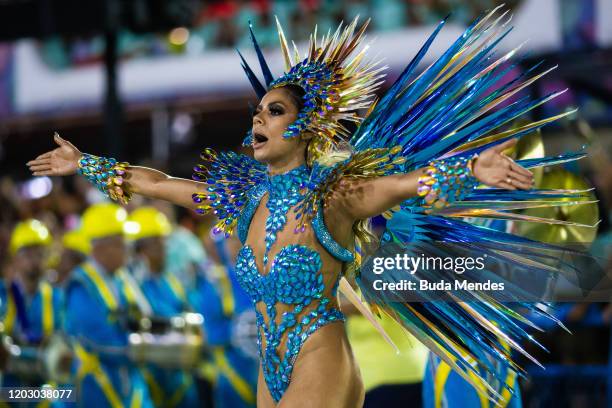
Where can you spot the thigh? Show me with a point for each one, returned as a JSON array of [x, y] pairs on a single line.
[[264, 399], [325, 376]]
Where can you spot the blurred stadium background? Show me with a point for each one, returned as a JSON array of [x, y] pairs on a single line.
[[153, 82]]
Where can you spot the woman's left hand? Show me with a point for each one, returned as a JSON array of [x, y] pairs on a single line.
[[495, 169]]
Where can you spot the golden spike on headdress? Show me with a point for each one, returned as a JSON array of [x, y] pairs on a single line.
[[356, 39], [324, 49], [340, 46], [311, 45], [353, 64], [331, 42], [336, 82], [296, 53], [339, 30], [283, 44], [324, 41]]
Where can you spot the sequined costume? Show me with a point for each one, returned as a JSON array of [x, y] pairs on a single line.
[[439, 120], [294, 279]]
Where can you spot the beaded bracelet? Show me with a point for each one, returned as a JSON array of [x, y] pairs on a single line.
[[446, 181], [107, 175]]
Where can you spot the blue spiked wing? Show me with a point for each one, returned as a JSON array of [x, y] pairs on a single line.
[[462, 104]]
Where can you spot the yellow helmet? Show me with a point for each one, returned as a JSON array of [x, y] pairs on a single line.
[[103, 220], [147, 222], [77, 241], [27, 233]]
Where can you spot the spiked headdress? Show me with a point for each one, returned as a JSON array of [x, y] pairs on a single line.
[[336, 83]]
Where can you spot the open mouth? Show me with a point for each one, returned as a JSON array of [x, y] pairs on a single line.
[[259, 140]]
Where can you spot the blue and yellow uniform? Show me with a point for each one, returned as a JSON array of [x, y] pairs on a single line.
[[169, 388], [95, 313], [30, 318], [443, 387], [166, 298], [220, 299]]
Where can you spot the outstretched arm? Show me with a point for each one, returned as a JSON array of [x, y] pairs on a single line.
[[147, 182], [362, 199], [156, 184]]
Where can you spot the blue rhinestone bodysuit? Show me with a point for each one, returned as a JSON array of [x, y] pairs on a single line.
[[293, 299]]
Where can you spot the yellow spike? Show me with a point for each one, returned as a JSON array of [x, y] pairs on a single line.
[[467, 209], [342, 43], [443, 354], [347, 290], [486, 29], [296, 53], [509, 94], [507, 133], [500, 60], [451, 71], [487, 213], [482, 22], [497, 332], [311, 48], [523, 86], [284, 47], [334, 40]]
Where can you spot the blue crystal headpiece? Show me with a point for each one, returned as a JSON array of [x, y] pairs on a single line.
[[336, 84]]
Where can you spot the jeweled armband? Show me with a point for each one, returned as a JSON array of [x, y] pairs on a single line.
[[446, 181], [107, 175]]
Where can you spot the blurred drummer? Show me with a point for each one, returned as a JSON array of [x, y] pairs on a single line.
[[75, 249], [31, 306], [148, 227], [95, 312]]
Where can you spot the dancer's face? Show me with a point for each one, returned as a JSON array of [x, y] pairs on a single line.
[[276, 111]]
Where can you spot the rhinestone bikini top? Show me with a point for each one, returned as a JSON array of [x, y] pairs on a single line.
[[294, 279]]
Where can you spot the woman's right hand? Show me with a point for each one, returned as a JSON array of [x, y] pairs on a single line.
[[63, 161]]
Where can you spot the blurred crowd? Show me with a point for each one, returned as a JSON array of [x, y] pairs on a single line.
[[137, 308], [223, 24]]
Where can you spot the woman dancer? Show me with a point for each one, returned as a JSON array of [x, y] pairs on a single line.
[[299, 206]]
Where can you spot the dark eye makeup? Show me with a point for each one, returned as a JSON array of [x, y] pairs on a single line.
[[276, 110]]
